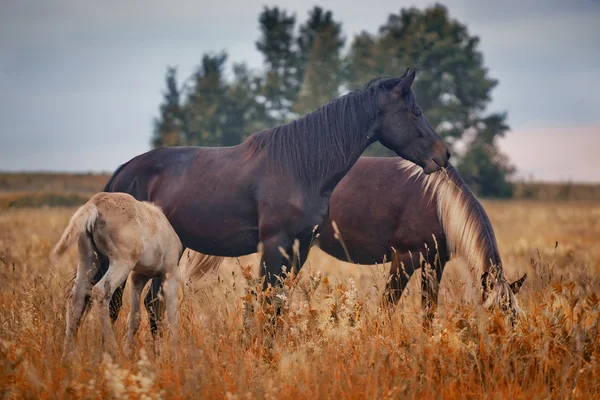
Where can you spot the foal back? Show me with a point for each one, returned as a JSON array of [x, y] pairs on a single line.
[[131, 230]]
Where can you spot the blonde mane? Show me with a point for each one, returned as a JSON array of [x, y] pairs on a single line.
[[467, 228], [469, 233]]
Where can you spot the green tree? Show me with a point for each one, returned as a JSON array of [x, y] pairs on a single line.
[[206, 102], [483, 166], [215, 112], [307, 70], [320, 62], [243, 113], [452, 86], [276, 44], [168, 126]]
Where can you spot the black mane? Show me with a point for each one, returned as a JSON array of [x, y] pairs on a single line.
[[328, 138]]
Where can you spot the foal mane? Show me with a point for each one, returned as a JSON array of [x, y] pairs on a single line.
[[469, 233], [328, 139]]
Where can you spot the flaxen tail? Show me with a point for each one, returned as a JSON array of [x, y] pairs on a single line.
[[193, 265], [81, 222]]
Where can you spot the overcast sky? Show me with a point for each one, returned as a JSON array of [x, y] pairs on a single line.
[[80, 83]]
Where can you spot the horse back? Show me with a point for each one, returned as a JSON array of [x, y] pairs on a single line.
[[207, 194], [376, 207]]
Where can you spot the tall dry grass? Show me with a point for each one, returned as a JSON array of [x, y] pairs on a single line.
[[332, 341]]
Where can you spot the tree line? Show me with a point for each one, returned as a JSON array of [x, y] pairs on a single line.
[[307, 64]]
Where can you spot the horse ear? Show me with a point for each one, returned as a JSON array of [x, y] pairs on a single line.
[[516, 285], [405, 84], [405, 73], [485, 280], [486, 283]]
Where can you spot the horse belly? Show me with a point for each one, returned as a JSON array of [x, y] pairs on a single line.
[[150, 262], [234, 244], [363, 249]]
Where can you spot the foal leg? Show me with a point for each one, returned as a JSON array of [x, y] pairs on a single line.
[[102, 292], [86, 269], [153, 303], [138, 281], [170, 285], [116, 302]]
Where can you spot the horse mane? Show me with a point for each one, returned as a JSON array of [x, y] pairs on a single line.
[[328, 139], [468, 230]]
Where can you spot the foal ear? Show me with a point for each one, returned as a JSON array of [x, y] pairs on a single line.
[[516, 285], [404, 86]]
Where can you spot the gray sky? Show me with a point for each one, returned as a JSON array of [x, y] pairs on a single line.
[[80, 83]]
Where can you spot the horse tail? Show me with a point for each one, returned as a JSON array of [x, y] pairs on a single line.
[[193, 265], [468, 230], [81, 222]]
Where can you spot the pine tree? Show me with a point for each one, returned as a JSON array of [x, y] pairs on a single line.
[[320, 43], [168, 126], [276, 44], [243, 113], [204, 106]]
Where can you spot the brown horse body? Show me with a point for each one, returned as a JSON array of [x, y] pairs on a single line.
[[275, 187], [382, 214], [385, 209]]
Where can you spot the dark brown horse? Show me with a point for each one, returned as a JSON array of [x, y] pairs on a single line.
[[386, 209], [275, 187]]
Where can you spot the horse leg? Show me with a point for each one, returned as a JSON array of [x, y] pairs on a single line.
[[272, 259], [102, 292], [86, 270], [430, 287], [402, 268], [154, 305], [138, 281]]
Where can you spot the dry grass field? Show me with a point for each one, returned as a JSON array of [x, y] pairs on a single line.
[[332, 340]]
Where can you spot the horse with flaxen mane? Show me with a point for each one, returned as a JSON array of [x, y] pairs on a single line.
[[275, 187], [386, 209]]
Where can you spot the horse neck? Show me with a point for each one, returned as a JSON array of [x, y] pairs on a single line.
[[321, 147], [469, 233]]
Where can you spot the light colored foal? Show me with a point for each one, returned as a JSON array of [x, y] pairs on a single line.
[[137, 238]]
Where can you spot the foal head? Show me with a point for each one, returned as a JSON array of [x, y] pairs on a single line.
[[403, 128], [498, 293]]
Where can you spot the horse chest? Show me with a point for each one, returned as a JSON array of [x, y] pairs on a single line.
[[314, 214]]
